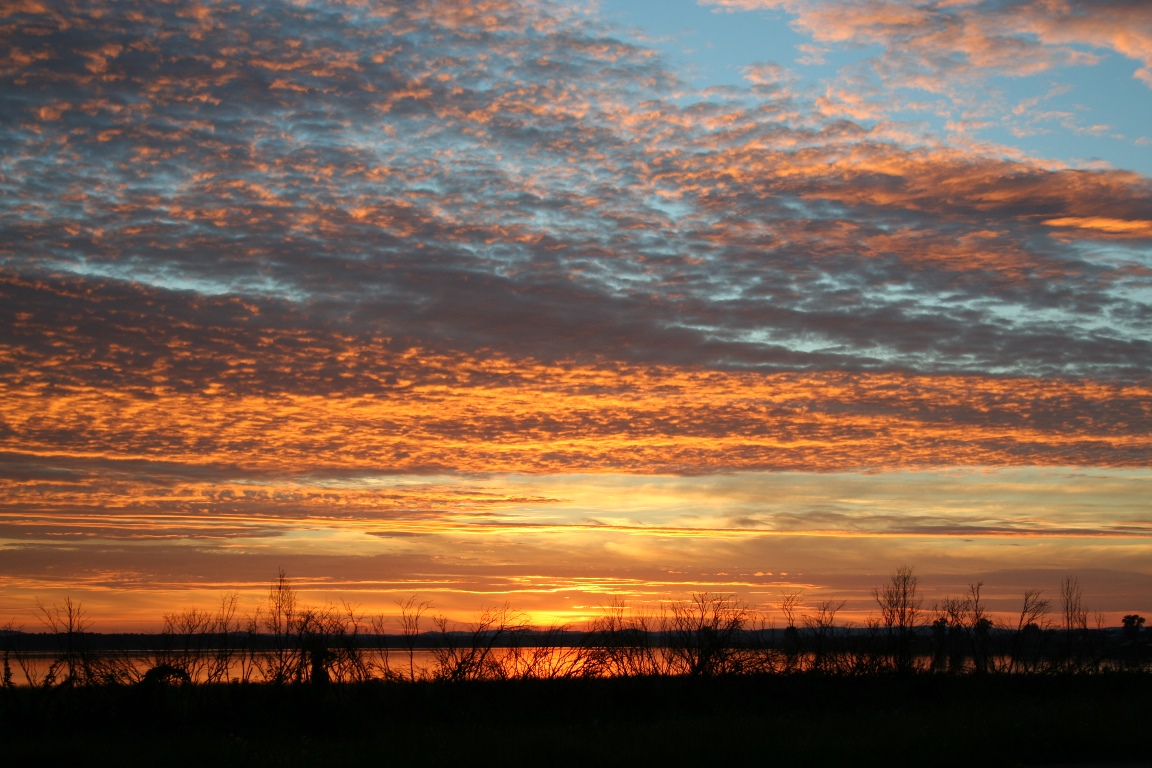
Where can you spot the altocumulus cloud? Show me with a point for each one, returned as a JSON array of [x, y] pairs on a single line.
[[265, 240]]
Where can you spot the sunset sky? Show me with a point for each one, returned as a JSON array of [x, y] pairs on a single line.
[[549, 302]]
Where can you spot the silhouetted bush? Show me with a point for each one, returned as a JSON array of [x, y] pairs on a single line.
[[709, 636]]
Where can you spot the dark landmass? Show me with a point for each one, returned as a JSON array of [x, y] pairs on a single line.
[[48, 642], [804, 720], [702, 682]]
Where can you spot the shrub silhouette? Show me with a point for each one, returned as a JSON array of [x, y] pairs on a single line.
[[285, 642], [899, 600], [165, 674], [704, 636]]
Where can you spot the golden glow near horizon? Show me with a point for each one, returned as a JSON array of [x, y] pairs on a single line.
[[500, 304], [559, 547]]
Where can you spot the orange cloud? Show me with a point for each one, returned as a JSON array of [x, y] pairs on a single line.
[[1101, 224], [538, 418], [1018, 37]]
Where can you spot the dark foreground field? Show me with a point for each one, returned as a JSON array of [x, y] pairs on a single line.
[[803, 720]]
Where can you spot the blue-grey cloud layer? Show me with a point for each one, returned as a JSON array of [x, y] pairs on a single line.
[[515, 177]]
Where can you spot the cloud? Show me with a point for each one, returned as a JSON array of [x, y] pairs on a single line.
[[445, 236], [284, 400], [925, 43], [254, 258], [1139, 228], [966, 68]]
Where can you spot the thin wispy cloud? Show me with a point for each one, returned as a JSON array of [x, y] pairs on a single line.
[[955, 60], [930, 43]]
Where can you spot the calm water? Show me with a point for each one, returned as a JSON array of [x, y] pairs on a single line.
[[423, 663]]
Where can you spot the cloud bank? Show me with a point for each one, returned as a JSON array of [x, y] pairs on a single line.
[[254, 256]]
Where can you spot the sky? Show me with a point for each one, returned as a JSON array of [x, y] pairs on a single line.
[[551, 304]]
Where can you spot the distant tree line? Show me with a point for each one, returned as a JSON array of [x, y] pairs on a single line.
[[709, 635]]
